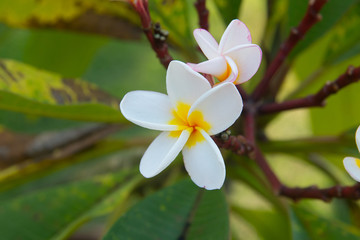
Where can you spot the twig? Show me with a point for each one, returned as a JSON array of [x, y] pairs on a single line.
[[268, 172], [311, 17], [237, 144], [351, 75], [157, 36], [325, 194], [257, 155], [203, 14], [250, 127]]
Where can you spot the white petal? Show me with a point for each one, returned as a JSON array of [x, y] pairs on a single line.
[[148, 109], [357, 138], [205, 164], [184, 84], [161, 152], [207, 43], [247, 59], [235, 34], [220, 107], [216, 66], [352, 167]]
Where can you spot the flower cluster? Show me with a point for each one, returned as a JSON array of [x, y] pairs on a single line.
[[193, 110]]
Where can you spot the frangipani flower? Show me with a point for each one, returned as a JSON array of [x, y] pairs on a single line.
[[351, 164], [188, 115], [234, 59]]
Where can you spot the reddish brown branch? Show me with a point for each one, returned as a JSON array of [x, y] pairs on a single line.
[[156, 36], [311, 17], [250, 127], [203, 14], [237, 144], [317, 100], [257, 155], [325, 194], [268, 172]]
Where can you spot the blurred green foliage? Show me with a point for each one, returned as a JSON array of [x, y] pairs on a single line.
[[57, 75]]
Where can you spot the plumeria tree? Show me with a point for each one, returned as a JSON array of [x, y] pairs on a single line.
[[254, 103]]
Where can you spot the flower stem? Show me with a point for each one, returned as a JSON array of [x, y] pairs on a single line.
[[156, 36]]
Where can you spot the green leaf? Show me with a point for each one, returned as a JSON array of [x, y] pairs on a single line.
[[66, 53], [267, 223], [106, 206], [31, 12], [113, 67], [297, 228], [348, 99], [28, 176], [331, 13], [134, 68], [174, 17], [30, 124], [344, 39], [29, 90], [251, 175], [43, 214], [321, 228], [179, 211], [228, 9], [211, 218]]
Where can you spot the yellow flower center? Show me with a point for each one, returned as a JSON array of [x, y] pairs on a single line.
[[357, 161], [225, 74], [192, 123]]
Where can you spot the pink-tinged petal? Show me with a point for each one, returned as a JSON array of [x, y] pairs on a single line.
[[247, 59], [207, 43], [219, 108], [357, 138], [205, 164], [235, 34], [148, 109], [161, 152], [184, 84], [216, 66], [352, 166]]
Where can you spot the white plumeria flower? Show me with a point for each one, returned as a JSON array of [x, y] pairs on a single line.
[[188, 115], [351, 164], [235, 59]]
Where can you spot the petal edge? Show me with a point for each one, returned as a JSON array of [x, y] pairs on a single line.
[[205, 164]]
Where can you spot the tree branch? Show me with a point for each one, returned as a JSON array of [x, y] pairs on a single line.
[[203, 14], [351, 75], [237, 144], [311, 17], [325, 194], [268, 172], [157, 36]]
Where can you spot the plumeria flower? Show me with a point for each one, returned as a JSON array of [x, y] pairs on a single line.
[[234, 59], [188, 115], [351, 164]]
